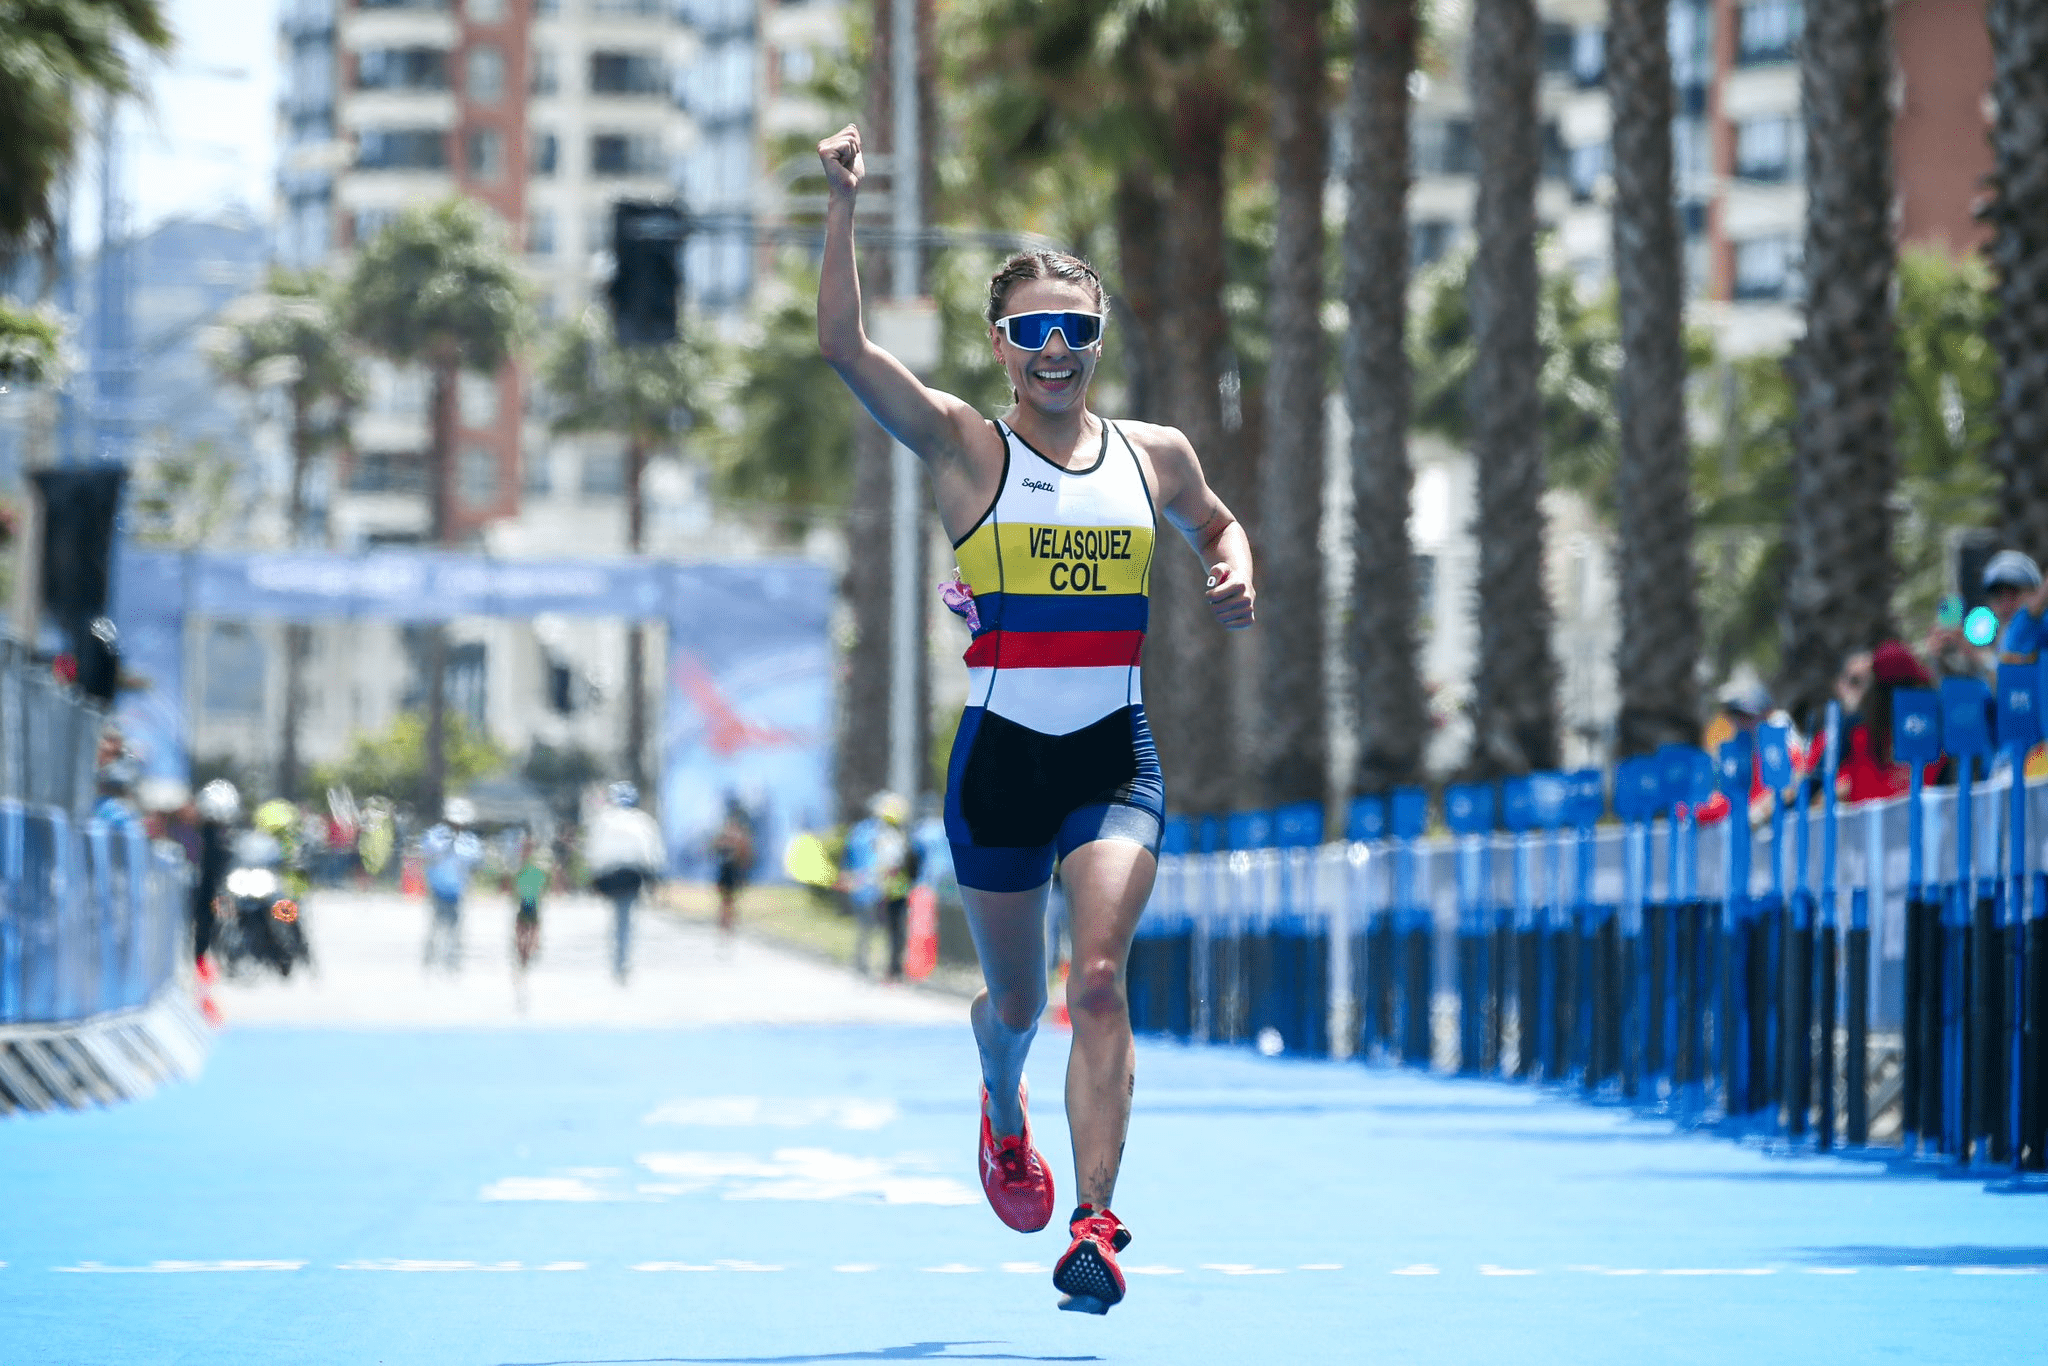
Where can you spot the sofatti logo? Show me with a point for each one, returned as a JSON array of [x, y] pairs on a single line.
[[1040, 485]]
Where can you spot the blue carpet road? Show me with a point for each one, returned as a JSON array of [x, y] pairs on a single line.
[[807, 1194]]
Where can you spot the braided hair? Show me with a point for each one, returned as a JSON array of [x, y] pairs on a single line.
[[1040, 264]]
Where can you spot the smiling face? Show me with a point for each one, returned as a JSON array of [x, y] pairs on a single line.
[[1054, 380]]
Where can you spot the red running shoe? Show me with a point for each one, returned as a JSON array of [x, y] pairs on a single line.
[[1088, 1274], [1014, 1175]]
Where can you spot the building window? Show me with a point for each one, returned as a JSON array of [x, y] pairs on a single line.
[[1767, 148], [234, 670], [476, 475], [1588, 166], [622, 154], [367, 223], [796, 65], [477, 399], [545, 78], [484, 153], [484, 75], [402, 68], [541, 153], [1557, 49], [1443, 147], [1768, 31], [540, 233], [627, 73], [1589, 56], [604, 474], [387, 472], [646, 8], [402, 149], [1767, 268], [1428, 240]]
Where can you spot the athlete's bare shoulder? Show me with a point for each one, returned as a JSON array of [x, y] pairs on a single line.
[[1167, 455]]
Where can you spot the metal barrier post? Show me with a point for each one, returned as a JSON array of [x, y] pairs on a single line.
[[1856, 1060], [2034, 1049], [1829, 943]]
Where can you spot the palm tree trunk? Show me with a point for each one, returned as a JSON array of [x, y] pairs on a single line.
[[1838, 597], [636, 637], [1140, 226], [298, 637], [1191, 700], [440, 530], [1658, 661], [1515, 693], [1292, 738], [1393, 714], [2019, 251]]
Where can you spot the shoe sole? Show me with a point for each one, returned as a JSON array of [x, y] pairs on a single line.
[[1087, 1282]]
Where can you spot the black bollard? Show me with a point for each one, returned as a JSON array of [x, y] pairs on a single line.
[[1825, 1128], [2034, 1042], [1981, 1113], [1856, 1046], [1913, 1062], [1798, 1016], [1656, 946], [1528, 1000], [1471, 997]]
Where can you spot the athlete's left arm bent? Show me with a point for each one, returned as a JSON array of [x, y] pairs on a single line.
[[1210, 527]]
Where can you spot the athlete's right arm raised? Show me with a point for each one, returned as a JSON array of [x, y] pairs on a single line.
[[935, 424]]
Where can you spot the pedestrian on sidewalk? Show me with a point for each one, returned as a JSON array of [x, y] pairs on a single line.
[[451, 852], [732, 854], [624, 852], [528, 884]]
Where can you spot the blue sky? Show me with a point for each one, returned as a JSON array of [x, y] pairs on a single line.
[[205, 140]]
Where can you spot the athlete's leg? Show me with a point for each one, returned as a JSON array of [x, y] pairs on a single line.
[[1107, 883], [1009, 938]]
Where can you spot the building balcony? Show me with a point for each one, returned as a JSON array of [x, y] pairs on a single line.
[[368, 28], [397, 109]]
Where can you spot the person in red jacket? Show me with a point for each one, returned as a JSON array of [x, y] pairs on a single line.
[[1867, 770]]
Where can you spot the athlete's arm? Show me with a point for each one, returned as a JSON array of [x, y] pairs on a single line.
[[932, 423], [1208, 526]]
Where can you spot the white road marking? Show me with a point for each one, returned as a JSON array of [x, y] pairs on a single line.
[[730, 1265], [1027, 1269], [175, 1267], [1153, 1271], [807, 1174], [1419, 1269], [776, 1112], [1489, 1269], [1321, 1266], [426, 1264], [671, 1266], [572, 1189], [953, 1269], [1243, 1269]]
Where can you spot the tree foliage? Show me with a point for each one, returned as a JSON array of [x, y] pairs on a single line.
[[55, 57], [439, 285], [645, 393], [391, 763], [30, 340]]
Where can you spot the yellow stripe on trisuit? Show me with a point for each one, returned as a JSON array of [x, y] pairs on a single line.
[[1056, 559]]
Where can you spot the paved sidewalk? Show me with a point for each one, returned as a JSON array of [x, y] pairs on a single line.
[[367, 952]]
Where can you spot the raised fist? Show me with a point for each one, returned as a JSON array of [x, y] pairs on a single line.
[[844, 168]]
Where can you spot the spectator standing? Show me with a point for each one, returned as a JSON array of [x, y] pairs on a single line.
[[528, 885], [451, 852], [1867, 770], [220, 811], [624, 852], [732, 851]]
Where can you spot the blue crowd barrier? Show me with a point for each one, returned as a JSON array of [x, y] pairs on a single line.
[[92, 916], [1841, 975]]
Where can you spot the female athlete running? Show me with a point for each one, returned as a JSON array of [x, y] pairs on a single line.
[[1051, 512]]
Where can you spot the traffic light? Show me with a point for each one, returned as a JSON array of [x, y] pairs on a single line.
[[647, 241]]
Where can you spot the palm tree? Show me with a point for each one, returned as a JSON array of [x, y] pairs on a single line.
[[1392, 710], [1515, 692], [2019, 249], [439, 287], [645, 394], [1838, 595], [291, 337], [55, 56], [1292, 742], [1658, 661]]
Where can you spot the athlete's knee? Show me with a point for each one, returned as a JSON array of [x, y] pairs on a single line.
[[1095, 988], [1017, 1008]]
